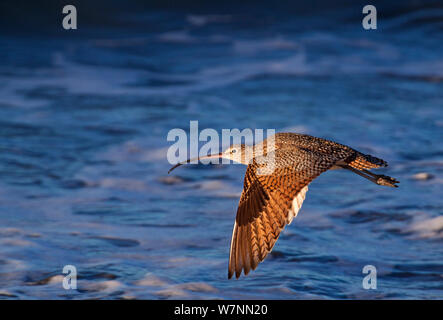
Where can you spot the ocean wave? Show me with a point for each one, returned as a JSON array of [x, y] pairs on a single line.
[[427, 228], [203, 20]]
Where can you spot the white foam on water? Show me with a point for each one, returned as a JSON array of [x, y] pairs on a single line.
[[211, 185], [56, 279], [185, 290], [197, 287], [172, 292], [156, 154], [171, 180], [423, 176], [16, 243], [134, 151], [17, 265], [6, 293], [10, 232], [102, 286], [150, 280], [428, 228]]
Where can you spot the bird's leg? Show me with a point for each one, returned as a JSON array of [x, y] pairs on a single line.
[[370, 173], [382, 178], [375, 178], [372, 179]]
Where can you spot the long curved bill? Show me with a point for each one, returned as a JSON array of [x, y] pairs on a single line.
[[212, 156]]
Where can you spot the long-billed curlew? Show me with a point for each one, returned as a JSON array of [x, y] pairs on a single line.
[[275, 185]]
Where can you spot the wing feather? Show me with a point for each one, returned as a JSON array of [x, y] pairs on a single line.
[[269, 202]]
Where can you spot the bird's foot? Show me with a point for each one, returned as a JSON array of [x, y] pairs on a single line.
[[386, 181]]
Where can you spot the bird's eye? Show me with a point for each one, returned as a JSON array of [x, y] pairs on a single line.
[[233, 151]]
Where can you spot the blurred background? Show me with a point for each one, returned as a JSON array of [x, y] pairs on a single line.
[[84, 116]]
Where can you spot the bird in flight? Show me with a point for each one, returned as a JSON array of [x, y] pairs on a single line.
[[279, 170]]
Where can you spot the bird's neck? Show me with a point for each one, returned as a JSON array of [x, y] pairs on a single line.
[[251, 152]]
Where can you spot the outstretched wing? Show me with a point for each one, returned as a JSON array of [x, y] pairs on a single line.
[[271, 198]]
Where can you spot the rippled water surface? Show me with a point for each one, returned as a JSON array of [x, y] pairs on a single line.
[[83, 171]]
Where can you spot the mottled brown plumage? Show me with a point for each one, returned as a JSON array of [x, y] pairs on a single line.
[[275, 185]]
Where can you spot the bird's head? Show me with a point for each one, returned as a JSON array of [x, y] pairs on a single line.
[[240, 153], [237, 153]]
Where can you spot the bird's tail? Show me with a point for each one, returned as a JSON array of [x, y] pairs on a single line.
[[366, 161], [361, 164]]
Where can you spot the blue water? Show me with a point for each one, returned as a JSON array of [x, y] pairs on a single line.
[[84, 117]]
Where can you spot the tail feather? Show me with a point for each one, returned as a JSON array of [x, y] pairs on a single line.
[[364, 161]]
